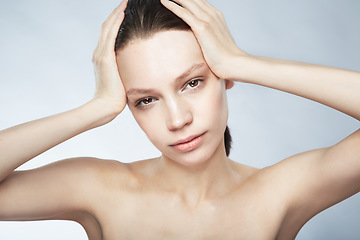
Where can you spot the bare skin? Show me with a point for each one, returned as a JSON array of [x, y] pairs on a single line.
[[200, 194]]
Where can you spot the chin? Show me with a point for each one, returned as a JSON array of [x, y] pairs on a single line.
[[192, 161]]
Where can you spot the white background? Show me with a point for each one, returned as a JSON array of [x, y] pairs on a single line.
[[45, 68]]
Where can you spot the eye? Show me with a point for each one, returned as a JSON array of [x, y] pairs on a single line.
[[193, 83], [144, 102]]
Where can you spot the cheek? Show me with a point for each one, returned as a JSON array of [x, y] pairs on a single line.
[[209, 110], [150, 122], [213, 105]]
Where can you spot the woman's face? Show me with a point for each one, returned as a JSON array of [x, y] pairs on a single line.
[[175, 98]]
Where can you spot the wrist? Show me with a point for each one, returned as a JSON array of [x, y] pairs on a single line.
[[242, 67], [101, 111]]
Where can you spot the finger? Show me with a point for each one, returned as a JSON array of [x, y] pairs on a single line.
[[200, 8], [181, 12], [94, 55], [120, 8], [113, 16], [113, 32], [192, 6], [109, 29]]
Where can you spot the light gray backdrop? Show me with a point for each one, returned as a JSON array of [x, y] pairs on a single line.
[[45, 68]]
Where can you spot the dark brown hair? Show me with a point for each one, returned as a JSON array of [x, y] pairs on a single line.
[[144, 18]]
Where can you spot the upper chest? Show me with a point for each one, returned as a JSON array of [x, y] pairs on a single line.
[[143, 215]]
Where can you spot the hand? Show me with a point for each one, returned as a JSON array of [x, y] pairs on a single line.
[[109, 86], [210, 29]]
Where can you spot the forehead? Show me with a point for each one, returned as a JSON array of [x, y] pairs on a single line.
[[162, 57]]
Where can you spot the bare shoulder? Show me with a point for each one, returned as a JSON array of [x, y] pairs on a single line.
[[87, 166], [289, 177], [111, 174], [104, 171], [300, 184], [292, 168], [85, 175], [278, 188], [47, 192]]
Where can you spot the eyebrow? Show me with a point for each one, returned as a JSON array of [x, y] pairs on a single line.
[[181, 77], [189, 71]]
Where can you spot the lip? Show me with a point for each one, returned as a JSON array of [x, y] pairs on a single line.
[[188, 144]]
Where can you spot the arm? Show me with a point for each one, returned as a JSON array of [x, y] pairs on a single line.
[[49, 190], [334, 87], [316, 179], [37, 136]]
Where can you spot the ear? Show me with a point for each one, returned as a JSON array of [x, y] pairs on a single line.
[[229, 84]]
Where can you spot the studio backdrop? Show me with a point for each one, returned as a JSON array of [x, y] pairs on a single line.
[[45, 68]]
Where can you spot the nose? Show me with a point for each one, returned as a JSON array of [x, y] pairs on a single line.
[[179, 114]]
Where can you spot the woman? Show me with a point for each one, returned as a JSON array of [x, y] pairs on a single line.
[[177, 96]]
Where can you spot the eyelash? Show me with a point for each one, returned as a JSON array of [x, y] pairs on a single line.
[[140, 103], [194, 80]]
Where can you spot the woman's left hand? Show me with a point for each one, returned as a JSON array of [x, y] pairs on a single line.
[[210, 29]]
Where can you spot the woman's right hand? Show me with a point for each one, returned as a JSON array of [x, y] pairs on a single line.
[[109, 87], [21, 143]]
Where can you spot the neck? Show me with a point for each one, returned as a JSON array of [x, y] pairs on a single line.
[[212, 178]]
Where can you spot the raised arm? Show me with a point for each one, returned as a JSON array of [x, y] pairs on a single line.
[[334, 87], [21, 143], [37, 194], [313, 180]]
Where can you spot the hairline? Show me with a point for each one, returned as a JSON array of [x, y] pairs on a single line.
[[149, 35]]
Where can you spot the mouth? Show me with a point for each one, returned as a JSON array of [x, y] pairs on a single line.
[[189, 144]]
